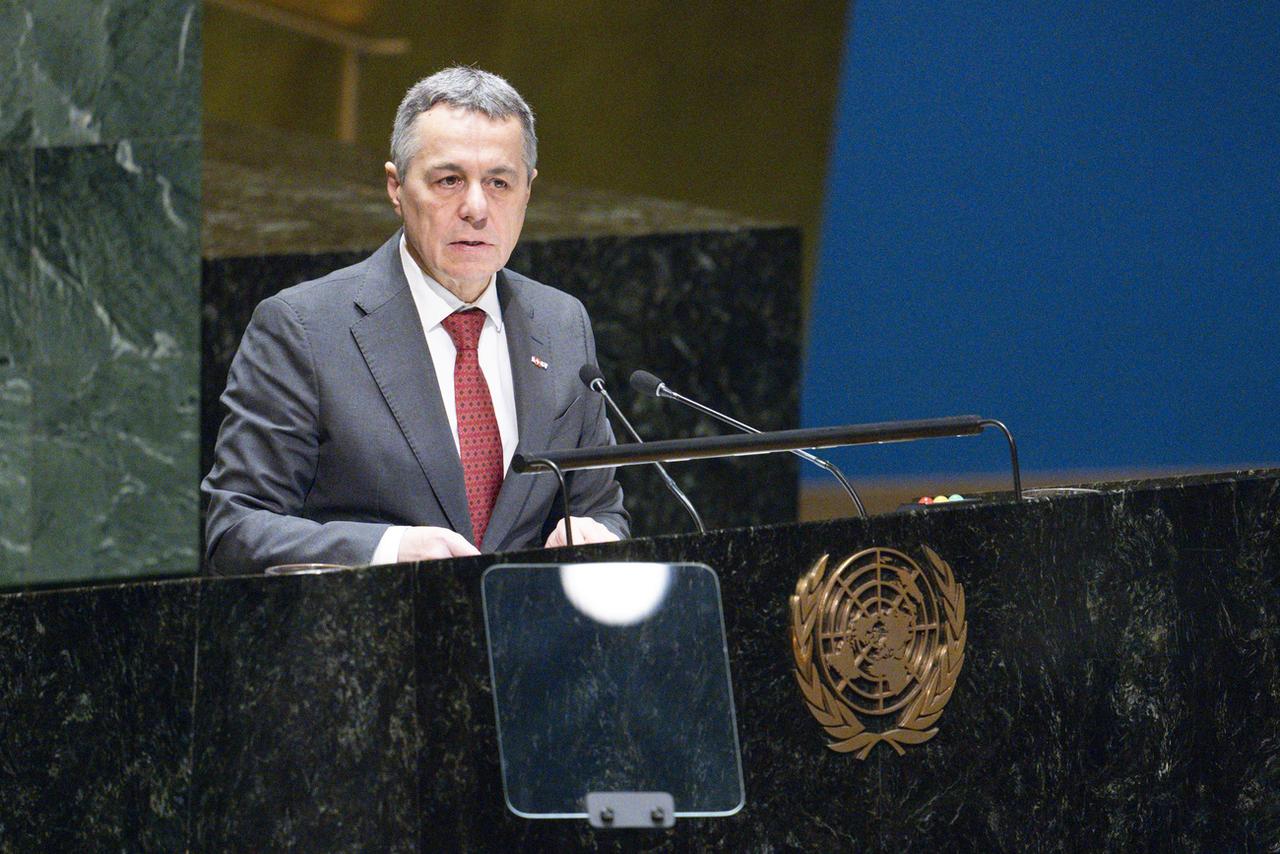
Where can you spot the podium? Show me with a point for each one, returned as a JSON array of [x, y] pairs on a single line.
[[1120, 688]]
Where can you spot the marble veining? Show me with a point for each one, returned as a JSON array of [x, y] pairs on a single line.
[[717, 316], [16, 25], [272, 193], [1121, 691], [99, 249], [114, 442], [95, 738], [306, 738], [125, 69], [15, 360]]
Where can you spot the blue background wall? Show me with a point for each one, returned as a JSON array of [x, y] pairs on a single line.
[[1062, 215]]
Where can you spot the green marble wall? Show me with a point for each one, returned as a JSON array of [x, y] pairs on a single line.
[[99, 288]]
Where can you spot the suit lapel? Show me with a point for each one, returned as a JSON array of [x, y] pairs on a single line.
[[534, 403], [391, 340]]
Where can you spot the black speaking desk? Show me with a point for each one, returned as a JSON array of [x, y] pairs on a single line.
[[1118, 687]]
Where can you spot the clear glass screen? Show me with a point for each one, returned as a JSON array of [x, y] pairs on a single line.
[[611, 677]]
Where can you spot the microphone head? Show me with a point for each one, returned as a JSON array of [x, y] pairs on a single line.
[[589, 373], [645, 383]]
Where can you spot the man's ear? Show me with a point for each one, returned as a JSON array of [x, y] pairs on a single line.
[[393, 186], [532, 175]]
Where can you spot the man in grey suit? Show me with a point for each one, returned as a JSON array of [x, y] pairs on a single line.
[[373, 413]]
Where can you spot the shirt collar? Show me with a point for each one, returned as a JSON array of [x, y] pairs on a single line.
[[435, 302]]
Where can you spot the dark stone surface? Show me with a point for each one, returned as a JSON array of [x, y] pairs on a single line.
[[16, 23], [1120, 691], [124, 69], [271, 193], [305, 727], [99, 301], [15, 359], [114, 442], [95, 734], [716, 315]]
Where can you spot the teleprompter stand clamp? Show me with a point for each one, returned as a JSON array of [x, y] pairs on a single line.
[[630, 810]]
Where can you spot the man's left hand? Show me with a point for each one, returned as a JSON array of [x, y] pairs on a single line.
[[584, 531]]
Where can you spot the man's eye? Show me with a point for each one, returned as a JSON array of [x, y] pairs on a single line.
[[449, 181], [499, 183]]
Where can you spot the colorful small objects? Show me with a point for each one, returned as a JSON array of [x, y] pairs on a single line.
[[936, 499]]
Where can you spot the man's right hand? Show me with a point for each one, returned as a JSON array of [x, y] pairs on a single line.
[[428, 543]]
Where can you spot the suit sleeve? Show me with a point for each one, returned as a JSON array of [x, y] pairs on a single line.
[[266, 456], [596, 492]]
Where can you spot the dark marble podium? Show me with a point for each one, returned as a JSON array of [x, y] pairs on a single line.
[[1121, 691]]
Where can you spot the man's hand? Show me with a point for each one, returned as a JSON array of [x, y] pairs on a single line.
[[428, 543], [584, 531]]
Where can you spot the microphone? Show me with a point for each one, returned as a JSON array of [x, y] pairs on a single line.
[[594, 380], [649, 385]]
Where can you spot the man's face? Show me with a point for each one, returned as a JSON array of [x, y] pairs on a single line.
[[464, 198]]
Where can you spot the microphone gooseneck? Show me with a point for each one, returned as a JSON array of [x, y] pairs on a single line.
[[647, 384], [594, 380]]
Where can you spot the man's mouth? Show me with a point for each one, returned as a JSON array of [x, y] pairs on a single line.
[[470, 243]]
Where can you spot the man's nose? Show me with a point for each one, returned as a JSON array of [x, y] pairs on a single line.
[[475, 205]]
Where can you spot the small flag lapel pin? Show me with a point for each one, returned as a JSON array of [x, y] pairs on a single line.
[[538, 362]]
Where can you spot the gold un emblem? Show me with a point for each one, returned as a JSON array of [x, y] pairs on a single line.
[[878, 635]]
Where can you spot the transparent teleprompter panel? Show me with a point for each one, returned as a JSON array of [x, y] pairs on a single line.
[[611, 677]]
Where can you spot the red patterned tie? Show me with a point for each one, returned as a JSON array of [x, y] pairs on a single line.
[[479, 442]]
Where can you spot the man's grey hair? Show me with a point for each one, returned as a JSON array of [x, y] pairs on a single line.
[[471, 89]]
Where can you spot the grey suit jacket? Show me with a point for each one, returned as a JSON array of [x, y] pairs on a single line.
[[336, 428]]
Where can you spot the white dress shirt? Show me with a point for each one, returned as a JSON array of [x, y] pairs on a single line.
[[434, 304]]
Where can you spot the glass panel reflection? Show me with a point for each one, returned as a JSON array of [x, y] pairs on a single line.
[[611, 677]]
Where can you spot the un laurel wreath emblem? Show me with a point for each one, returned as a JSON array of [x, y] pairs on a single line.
[[878, 635]]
